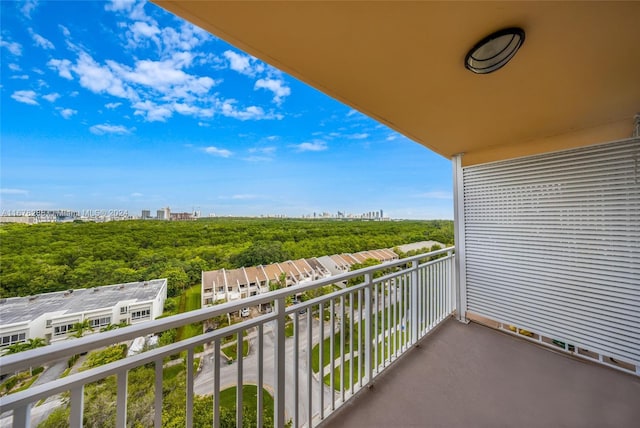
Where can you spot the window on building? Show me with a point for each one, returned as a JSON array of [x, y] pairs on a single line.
[[10, 339], [140, 314], [124, 309], [99, 322], [61, 330], [221, 289], [48, 323]]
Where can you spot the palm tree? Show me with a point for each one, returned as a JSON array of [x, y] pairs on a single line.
[[79, 328], [31, 343]]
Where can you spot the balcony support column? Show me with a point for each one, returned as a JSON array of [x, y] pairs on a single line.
[[460, 272]]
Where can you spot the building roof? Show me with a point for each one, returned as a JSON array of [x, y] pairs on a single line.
[[213, 277], [341, 262], [302, 266], [419, 245], [255, 274], [290, 268], [573, 83], [236, 277], [330, 264], [349, 258], [273, 271], [315, 264], [25, 309]]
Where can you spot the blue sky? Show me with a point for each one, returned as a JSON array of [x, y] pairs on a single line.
[[121, 105]]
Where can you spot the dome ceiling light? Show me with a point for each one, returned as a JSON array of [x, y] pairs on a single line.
[[494, 51]]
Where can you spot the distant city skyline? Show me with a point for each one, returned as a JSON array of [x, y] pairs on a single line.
[[145, 110]]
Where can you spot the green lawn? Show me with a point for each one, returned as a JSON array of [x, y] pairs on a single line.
[[249, 398], [288, 329], [231, 351], [189, 301]]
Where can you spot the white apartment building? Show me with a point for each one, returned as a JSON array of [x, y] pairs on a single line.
[[51, 316]]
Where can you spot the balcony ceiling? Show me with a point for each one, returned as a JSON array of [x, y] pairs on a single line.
[[575, 81]]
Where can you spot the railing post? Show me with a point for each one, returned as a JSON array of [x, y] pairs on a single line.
[[22, 416], [368, 312], [77, 407], [414, 301], [121, 400], [279, 362]]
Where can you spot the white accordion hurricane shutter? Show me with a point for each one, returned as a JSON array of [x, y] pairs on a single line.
[[552, 244]]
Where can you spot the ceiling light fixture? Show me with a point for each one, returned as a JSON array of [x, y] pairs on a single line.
[[494, 51]]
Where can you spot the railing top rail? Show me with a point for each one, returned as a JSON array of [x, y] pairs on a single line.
[[35, 357]]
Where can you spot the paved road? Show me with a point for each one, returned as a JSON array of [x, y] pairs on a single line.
[[203, 384], [41, 412]]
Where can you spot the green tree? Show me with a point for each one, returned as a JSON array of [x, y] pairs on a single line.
[[80, 328], [261, 253]]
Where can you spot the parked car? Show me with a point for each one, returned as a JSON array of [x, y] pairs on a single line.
[[245, 312]]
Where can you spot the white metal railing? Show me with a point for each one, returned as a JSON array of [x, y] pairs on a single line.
[[341, 341]]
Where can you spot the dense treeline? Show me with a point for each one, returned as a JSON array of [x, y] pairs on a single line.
[[51, 257]]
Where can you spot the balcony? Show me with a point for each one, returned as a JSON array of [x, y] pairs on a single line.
[[394, 318]]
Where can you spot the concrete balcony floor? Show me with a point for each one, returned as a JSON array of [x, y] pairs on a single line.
[[474, 376]]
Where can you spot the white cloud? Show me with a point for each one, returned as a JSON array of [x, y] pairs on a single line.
[[212, 150], [52, 97], [152, 112], [99, 79], [41, 41], [316, 146], [105, 128], [65, 30], [360, 136], [228, 109], [14, 67], [28, 7], [352, 112], [119, 5], [5, 191], [244, 196], [112, 105], [185, 38], [243, 64], [62, 66], [265, 150], [26, 97], [20, 77], [37, 71], [238, 62], [67, 112], [141, 32], [392, 137], [144, 29], [276, 86], [14, 47], [436, 194], [136, 195]]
